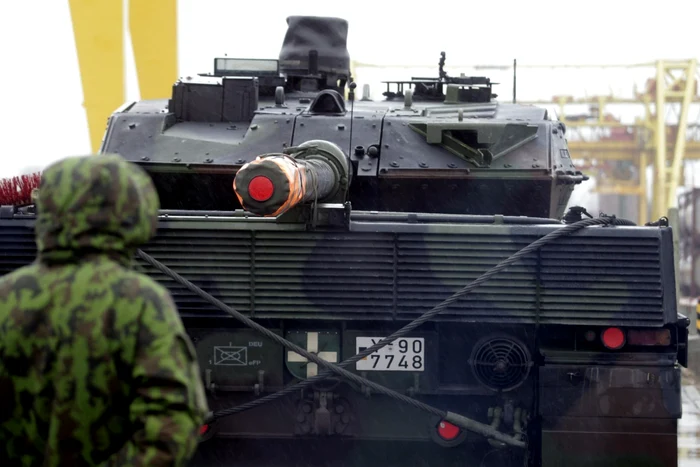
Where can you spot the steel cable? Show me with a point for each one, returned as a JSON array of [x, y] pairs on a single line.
[[568, 229], [339, 369]]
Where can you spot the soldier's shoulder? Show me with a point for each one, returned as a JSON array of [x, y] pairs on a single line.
[[30, 269], [9, 281], [144, 280], [147, 286], [156, 299]]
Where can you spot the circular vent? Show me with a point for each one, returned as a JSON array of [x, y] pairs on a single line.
[[500, 363]]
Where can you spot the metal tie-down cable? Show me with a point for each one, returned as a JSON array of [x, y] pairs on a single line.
[[459, 420]]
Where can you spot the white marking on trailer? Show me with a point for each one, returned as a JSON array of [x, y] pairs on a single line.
[[312, 346]]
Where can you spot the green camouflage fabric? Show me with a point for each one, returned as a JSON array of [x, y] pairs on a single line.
[[95, 364]]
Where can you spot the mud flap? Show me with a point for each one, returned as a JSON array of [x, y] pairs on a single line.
[[613, 442], [609, 415]]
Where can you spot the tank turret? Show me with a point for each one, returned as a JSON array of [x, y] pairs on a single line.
[[434, 145]]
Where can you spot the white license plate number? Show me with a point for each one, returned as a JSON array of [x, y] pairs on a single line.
[[405, 354]]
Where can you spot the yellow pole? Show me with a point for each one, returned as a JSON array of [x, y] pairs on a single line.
[[679, 150], [98, 27], [153, 27], [659, 201]]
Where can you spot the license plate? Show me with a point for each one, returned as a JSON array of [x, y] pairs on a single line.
[[405, 354]]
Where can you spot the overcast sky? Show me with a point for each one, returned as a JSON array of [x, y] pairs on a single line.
[[42, 118]]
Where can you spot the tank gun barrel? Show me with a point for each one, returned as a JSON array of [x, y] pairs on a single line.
[[272, 184]]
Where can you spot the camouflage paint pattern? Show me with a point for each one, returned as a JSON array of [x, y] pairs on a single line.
[[95, 364]]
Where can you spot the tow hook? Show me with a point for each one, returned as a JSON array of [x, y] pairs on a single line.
[[322, 417], [518, 419], [495, 416]]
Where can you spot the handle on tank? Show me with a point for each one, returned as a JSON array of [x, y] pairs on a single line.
[[565, 178]]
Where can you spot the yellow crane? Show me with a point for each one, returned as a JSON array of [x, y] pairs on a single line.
[[653, 138], [99, 38]]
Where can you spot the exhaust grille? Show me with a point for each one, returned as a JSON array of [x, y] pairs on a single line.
[[583, 279]]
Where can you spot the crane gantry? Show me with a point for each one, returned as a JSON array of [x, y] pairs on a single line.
[[659, 136], [99, 39]]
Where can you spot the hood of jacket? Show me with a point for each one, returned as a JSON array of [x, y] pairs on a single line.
[[94, 205]]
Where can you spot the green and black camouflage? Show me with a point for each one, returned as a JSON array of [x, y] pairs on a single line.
[[95, 364]]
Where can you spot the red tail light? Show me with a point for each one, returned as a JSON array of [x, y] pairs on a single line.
[[448, 431], [613, 338], [203, 430], [649, 337]]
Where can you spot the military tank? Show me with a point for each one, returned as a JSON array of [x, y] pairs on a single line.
[[421, 240]]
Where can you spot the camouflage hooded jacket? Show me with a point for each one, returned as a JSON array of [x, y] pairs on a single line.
[[95, 365]]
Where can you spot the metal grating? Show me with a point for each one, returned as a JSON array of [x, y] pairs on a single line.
[[579, 280]]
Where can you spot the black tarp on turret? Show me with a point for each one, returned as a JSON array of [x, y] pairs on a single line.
[[326, 36]]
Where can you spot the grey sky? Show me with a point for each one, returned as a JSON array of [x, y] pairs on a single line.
[[43, 118]]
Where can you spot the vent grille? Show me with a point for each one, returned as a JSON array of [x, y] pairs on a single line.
[[582, 280], [585, 280], [500, 363]]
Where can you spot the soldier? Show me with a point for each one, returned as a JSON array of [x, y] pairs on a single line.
[[95, 365]]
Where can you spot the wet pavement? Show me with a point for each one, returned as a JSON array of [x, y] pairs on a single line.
[[689, 424]]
